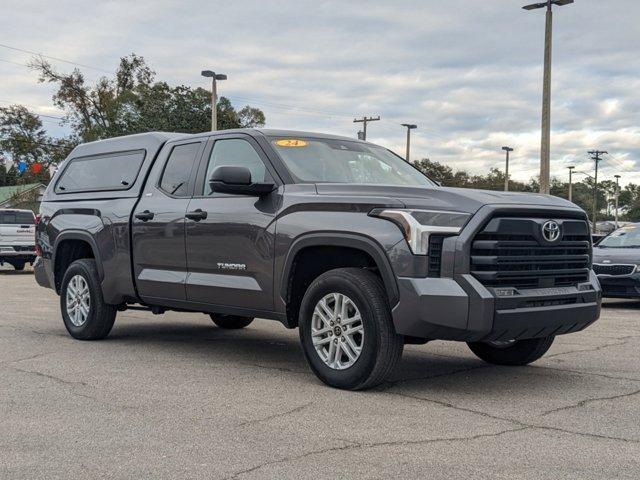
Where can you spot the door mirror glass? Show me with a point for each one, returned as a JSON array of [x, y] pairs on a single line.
[[237, 180]]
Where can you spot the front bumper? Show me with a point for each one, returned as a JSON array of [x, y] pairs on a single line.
[[456, 306], [621, 287], [442, 308]]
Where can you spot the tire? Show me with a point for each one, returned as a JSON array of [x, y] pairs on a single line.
[[19, 265], [100, 316], [230, 322], [380, 347], [521, 352]]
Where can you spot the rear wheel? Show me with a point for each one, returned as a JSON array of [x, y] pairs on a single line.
[[512, 352], [230, 322], [18, 264], [86, 316], [346, 330]]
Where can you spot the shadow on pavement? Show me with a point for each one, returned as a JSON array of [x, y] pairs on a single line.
[[264, 349], [9, 272], [627, 304]]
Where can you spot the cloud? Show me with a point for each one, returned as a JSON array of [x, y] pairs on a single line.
[[468, 73]]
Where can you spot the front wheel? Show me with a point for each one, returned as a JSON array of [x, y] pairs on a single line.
[[512, 352], [86, 316], [346, 329]]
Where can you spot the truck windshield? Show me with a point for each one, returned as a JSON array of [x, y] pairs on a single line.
[[625, 237], [16, 218], [319, 160]]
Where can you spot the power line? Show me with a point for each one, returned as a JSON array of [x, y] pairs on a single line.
[[14, 63], [289, 107], [30, 107], [36, 142], [596, 157], [57, 59]]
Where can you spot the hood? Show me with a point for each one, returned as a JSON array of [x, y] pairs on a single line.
[[458, 199], [616, 255]]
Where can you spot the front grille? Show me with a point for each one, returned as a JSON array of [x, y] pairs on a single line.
[[435, 255], [549, 303], [613, 270], [511, 252]]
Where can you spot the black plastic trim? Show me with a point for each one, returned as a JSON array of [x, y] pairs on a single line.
[[355, 241]]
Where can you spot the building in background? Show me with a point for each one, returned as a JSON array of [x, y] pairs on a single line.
[[22, 196]]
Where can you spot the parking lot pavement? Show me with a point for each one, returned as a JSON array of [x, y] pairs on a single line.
[[173, 396]]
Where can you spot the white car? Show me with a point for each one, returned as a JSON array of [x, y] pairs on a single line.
[[17, 237]]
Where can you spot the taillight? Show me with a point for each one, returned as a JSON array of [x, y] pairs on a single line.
[[37, 222]]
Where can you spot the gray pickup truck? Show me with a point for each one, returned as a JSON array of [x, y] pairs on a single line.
[[339, 237]]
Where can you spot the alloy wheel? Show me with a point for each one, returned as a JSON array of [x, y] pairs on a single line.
[[337, 331], [78, 300]]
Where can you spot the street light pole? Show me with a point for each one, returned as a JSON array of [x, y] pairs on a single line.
[[571, 182], [617, 196], [545, 141], [506, 169], [409, 128], [214, 95]]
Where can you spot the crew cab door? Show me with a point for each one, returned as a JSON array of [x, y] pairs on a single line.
[[230, 247], [158, 223]]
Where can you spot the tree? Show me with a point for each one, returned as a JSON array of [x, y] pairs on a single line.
[[445, 175], [23, 139], [442, 174], [133, 102], [632, 193]]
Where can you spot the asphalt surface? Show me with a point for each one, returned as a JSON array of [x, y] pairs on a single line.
[[173, 396]]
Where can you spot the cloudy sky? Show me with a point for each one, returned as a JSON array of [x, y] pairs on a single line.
[[468, 72]]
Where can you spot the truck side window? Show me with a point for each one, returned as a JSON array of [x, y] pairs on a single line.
[[237, 153], [177, 171], [112, 171]]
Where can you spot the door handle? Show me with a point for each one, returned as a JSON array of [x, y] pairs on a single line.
[[144, 216], [196, 215]]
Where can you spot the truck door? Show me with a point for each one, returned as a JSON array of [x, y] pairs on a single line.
[[230, 238], [158, 235]]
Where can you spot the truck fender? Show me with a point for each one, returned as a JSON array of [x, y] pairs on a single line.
[[79, 235], [359, 242]]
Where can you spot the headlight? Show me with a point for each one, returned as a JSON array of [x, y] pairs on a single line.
[[418, 225]]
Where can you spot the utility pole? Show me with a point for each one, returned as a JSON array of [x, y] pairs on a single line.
[[506, 169], [214, 95], [545, 141], [364, 120], [571, 182], [595, 156], [409, 128], [617, 196]]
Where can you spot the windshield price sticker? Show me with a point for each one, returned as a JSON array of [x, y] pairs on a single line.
[[291, 142]]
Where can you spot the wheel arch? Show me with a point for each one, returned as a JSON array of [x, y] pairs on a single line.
[[66, 239], [361, 243]]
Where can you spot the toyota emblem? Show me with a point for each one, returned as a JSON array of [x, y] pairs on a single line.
[[551, 231]]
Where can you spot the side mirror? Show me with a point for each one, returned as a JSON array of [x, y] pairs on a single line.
[[237, 180]]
